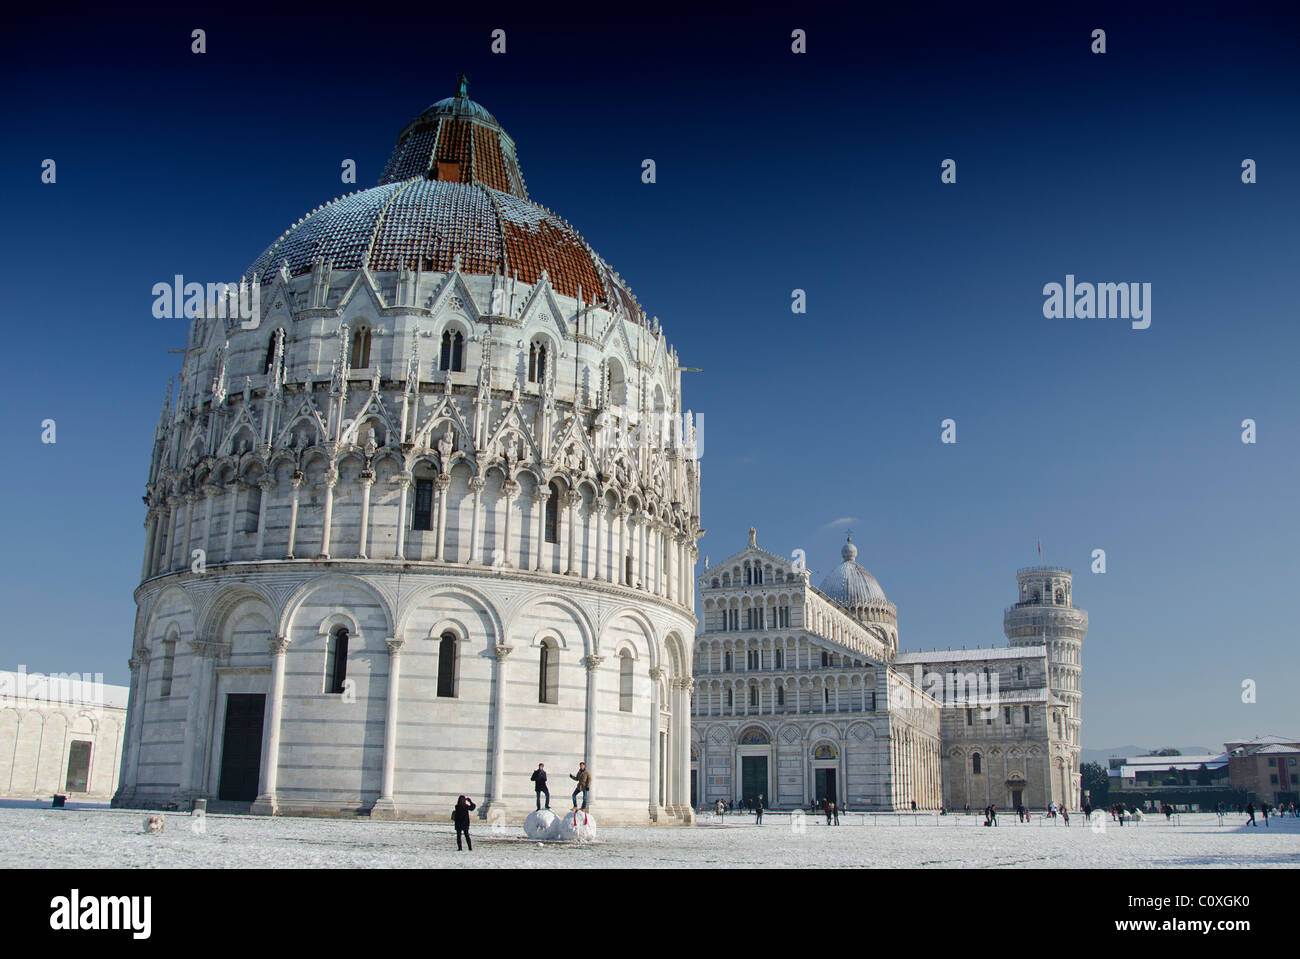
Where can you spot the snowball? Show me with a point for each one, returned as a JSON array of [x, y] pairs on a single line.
[[541, 824], [577, 826]]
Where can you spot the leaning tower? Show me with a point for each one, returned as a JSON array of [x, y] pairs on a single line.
[[1045, 614]]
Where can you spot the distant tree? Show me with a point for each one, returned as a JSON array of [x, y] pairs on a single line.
[[1203, 777], [1096, 781], [1167, 751]]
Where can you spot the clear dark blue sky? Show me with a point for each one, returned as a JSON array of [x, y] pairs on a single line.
[[775, 172]]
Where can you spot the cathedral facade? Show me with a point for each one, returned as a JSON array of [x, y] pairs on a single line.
[[428, 520], [802, 694]]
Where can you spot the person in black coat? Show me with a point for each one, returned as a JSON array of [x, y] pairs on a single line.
[[460, 816], [539, 785]]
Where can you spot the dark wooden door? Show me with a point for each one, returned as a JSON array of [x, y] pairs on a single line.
[[78, 766], [754, 778], [241, 747]]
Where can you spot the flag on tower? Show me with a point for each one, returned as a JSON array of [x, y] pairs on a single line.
[[1040, 552]]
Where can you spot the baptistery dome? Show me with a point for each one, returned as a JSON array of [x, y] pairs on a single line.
[[452, 192], [428, 516]]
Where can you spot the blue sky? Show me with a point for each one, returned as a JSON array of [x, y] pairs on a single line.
[[775, 172]]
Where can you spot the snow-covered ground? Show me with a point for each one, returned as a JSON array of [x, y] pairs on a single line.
[[32, 835]]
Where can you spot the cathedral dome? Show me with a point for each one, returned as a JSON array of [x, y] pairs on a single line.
[[451, 196], [850, 585]]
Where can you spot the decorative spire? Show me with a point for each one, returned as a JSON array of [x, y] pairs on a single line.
[[462, 86]]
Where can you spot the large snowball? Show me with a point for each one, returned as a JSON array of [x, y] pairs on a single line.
[[541, 824], [576, 826]]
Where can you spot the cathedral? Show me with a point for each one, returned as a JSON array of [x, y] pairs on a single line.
[[801, 694], [425, 521]]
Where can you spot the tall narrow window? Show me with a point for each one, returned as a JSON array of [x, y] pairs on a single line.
[[753, 695], [826, 658], [1026, 709], [361, 348], [548, 673], [452, 357], [780, 695], [553, 515], [270, 355], [625, 682], [169, 664], [780, 659], [447, 666], [422, 517], [727, 661], [975, 763], [731, 701], [336, 660], [536, 362]]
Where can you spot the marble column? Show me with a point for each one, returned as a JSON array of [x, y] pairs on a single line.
[[135, 704], [540, 496], [265, 805], [495, 801], [442, 483], [190, 500], [150, 528], [198, 710], [384, 807], [296, 483], [476, 524], [367, 479], [571, 500], [590, 742], [656, 811], [620, 567], [599, 508], [403, 483], [210, 492], [233, 491], [509, 490], [267, 485], [330, 479]]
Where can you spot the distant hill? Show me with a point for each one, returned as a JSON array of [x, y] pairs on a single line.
[[1102, 755]]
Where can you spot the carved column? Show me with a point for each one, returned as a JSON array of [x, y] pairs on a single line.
[[198, 713], [190, 500], [590, 742], [169, 543], [403, 482], [509, 490], [267, 485], [495, 800], [620, 568], [150, 529], [210, 492], [540, 496], [476, 526], [598, 522], [330, 480], [266, 801], [135, 704], [442, 483], [297, 482], [384, 807], [367, 478], [684, 754], [656, 811], [232, 494], [571, 500]]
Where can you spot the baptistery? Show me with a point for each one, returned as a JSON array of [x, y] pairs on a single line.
[[424, 520]]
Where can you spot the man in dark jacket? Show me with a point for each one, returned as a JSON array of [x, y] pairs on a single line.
[[460, 817], [583, 779], [758, 811], [539, 786]]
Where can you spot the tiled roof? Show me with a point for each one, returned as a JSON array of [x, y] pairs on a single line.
[[452, 187]]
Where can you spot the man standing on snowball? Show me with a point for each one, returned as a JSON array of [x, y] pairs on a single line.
[[583, 779], [539, 785]]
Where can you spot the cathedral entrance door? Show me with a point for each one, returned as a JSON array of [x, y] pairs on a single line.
[[241, 746], [753, 772], [825, 786], [1017, 797]]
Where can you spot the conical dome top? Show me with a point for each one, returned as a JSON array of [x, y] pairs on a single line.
[[850, 585]]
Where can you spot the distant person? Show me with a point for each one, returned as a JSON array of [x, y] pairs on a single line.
[[460, 817], [835, 813], [1250, 811], [539, 786], [758, 810], [721, 809], [583, 780], [826, 808]]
